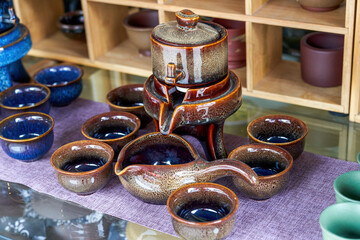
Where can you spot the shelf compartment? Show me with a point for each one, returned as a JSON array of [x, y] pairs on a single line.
[[230, 9], [151, 4], [289, 13]]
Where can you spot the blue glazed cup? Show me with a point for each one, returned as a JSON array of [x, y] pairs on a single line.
[[31, 97], [64, 81], [27, 136]]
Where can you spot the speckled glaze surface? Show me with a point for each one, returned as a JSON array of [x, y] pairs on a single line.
[[9, 33], [27, 136], [139, 26], [189, 63], [280, 125], [111, 121], [320, 5], [64, 81], [260, 155], [71, 24], [31, 97], [204, 194], [121, 99], [208, 106], [154, 183], [83, 183]]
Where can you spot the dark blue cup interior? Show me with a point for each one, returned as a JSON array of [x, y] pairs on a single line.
[[58, 75], [24, 96], [25, 127]]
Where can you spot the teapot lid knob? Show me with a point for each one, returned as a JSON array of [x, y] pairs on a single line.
[[187, 19]]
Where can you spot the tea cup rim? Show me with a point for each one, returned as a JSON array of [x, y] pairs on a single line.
[[28, 139], [302, 123], [215, 185], [106, 147], [338, 178], [127, 114], [280, 150], [123, 107], [21, 85]]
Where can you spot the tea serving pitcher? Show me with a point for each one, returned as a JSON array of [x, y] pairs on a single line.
[[153, 166]]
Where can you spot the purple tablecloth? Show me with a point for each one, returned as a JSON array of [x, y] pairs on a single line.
[[292, 214]]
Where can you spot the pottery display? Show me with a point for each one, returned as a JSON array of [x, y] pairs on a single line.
[[203, 211], [320, 5], [236, 42], [27, 136], [83, 167], [153, 166], [321, 57], [271, 163], [15, 42], [139, 26], [180, 96], [347, 188], [113, 128], [341, 221], [31, 97], [279, 130], [71, 24], [129, 98], [64, 81]]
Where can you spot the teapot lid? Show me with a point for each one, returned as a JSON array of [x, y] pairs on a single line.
[[187, 30]]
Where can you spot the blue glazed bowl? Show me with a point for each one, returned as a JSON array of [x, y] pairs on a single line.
[[31, 97], [64, 81], [27, 136]]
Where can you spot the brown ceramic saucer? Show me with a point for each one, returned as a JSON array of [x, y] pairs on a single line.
[[87, 182], [280, 130], [271, 163], [203, 211]]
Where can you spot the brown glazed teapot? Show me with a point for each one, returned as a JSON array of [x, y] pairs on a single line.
[[189, 52], [153, 166]]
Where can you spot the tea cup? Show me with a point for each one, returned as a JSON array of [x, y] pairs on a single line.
[[347, 187]]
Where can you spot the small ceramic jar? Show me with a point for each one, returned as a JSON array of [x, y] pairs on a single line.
[[189, 52]]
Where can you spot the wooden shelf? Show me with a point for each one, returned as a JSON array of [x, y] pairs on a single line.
[[284, 84], [288, 13], [152, 4]]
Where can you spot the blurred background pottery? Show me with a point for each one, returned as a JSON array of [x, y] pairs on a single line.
[[321, 56], [71, 24], [236, 42], [27, 136], [280, 130], [31, 97], [139, 26], [291, 42], [113, 128], [341, 221], [271, 163], [320, 5], [129, 98], [347, 187], [171, 162], [83, 167], [64, 81], [203, 211]]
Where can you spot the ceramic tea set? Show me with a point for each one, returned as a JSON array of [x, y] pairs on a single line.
[[191, 91]]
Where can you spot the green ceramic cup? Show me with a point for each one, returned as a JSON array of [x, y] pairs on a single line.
[[347, 187], [341, 221]]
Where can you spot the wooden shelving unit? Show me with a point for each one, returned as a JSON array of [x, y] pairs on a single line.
[[266, 74]]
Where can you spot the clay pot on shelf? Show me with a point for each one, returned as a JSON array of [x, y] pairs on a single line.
[[139, 26], [321, 56], [236, 42], [71, 24], [320, 5]]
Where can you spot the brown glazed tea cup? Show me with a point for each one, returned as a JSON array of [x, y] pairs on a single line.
[[203, 211], [154, 165], [321, 57], [138, 27], [320, 5], [271, 163], [129, 98], [113, 128], [83, 167], [280, 130]]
